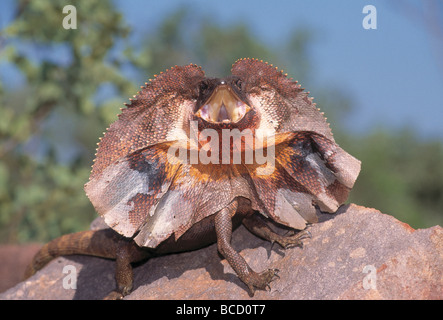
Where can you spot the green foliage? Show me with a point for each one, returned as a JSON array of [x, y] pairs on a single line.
[[74, 84], [400, 175], [49, 127]]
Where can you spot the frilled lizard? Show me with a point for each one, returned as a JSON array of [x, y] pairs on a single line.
[[185, 164]]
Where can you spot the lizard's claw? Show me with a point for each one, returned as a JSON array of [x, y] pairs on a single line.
[[261, 280], [114, 295], [293, 240]]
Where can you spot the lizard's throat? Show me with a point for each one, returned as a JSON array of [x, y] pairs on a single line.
[[223, 106]]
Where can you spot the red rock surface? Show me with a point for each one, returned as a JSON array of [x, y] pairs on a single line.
[[14, 259], [358, 253]]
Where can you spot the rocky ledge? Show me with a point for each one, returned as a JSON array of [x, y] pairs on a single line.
[[357, 253]]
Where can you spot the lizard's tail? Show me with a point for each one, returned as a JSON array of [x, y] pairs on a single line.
[[100, 243]]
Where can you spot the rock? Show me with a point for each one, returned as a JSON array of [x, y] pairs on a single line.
[[14, 260], [357, 253]]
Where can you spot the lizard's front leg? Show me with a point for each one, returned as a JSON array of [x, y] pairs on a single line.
[[256, 224], [223, 229]]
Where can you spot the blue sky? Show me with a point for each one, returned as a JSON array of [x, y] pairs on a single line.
[[391, 73]]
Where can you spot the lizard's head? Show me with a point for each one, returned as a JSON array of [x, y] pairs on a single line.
[[222, 102]]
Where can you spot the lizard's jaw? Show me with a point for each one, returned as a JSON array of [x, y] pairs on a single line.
[[223, 106]]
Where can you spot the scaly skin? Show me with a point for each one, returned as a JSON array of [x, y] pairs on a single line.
[[157, 199], [108, 244]]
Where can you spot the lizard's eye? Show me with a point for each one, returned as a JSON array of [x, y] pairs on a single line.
[[239, 84], [203, 87]]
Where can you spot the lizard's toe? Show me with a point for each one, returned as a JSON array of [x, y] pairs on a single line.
[[261, 280]]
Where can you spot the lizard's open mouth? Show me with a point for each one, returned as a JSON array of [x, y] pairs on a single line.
[[223, 106]]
